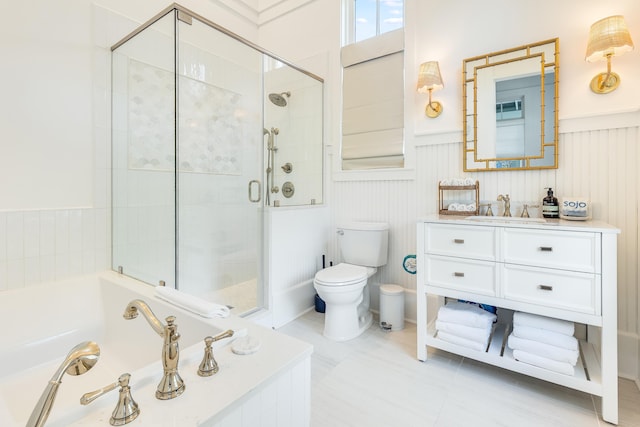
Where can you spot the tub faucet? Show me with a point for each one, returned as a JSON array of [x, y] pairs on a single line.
[[171, 385], [507, 204]]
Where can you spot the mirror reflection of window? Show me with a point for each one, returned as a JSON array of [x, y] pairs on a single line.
[[508, 110]]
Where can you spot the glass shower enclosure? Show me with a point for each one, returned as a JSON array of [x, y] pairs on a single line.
[[200, 151]]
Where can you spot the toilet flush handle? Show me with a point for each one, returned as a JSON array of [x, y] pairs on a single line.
[[340, 232]]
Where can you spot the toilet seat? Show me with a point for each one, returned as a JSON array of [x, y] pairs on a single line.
[[342, 274]]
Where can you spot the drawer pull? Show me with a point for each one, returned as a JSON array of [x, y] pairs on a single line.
[[457, 274], [459, 241], [545, 287], [546, 248]]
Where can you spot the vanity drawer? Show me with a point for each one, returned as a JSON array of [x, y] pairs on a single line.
[[461, 241], [566, 290], [478, 277], [567, 250]]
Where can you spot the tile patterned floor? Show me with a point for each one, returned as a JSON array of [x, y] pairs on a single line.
[[375, 380]]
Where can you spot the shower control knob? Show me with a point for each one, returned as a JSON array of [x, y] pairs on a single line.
[[287, 167], [288, 189]]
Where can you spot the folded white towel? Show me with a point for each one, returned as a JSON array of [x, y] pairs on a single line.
[[545, 336], [535, 321], [543, 362], [466, 314], [480, 335], [454, 339], [191, 303], [545, 350]]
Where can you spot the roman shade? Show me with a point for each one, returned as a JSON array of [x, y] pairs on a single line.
[[373, 103]]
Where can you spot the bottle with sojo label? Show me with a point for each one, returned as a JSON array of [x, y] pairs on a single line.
[[550, 206]]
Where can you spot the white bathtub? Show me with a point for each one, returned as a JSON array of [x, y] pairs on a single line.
[[42, 323]]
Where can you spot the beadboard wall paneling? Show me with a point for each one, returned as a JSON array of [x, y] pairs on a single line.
[[380, 201], [599, 164]]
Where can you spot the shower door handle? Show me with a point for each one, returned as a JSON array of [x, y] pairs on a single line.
[[255, 181]]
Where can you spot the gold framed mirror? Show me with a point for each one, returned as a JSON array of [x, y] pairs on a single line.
[[510, 108]]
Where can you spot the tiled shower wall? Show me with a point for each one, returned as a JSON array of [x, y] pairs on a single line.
[[45, 245]]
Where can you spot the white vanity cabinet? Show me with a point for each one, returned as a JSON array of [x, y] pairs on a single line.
[[561, 269]]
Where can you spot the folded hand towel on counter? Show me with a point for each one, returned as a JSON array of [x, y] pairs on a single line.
[[535, 321], [191, 303], [543, 362], [480, 335], [458, 181], [545, 350], [545, 336], [463, 342], [466, 314]]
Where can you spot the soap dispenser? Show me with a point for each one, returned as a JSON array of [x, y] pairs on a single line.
[[550, 206]]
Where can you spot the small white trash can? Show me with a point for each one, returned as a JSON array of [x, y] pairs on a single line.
[[392, 307]]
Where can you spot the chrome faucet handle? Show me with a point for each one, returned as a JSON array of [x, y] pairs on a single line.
[[209, 366], [489, 211], [126, 409]]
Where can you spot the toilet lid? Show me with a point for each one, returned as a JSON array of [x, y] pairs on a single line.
[[342, 274]]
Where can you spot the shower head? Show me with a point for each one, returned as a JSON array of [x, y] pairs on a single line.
[[279, 98], [80, 359]]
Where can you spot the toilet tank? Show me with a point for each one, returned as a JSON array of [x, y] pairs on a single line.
[[364, 243]]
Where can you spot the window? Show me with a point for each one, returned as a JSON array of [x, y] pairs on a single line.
[[375, 17], [373, 86]]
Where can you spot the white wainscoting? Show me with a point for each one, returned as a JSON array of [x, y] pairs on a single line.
[[601, 164]]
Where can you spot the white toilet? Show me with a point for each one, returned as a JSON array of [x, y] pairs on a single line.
[[343, 287]]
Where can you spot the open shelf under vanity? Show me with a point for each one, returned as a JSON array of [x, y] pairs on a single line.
[[586, 378]]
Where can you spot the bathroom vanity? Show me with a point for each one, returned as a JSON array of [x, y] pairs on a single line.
[[555, 268]]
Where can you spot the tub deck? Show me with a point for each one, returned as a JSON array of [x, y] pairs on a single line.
[[269, 387]]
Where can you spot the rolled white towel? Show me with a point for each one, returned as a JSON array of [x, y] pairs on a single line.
[[545, 350], [471, 333], [445, 182], [466, 314], [545, 336], [454, 207], [543, 362], [454, 339], [191, 303], [470, 208], [536, 321], [469, 181]]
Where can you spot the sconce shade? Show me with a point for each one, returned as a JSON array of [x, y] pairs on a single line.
[[608, 37], [429, 77]]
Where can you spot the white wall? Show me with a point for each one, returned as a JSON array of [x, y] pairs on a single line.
[[598, 150], [55, 118]]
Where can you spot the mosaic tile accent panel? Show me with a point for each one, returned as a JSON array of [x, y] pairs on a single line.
[[151, 119], [210, 131]]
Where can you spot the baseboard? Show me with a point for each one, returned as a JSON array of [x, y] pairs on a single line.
[[292, 303]]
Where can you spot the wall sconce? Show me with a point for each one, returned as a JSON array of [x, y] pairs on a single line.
[[608, 37], [429, 79]]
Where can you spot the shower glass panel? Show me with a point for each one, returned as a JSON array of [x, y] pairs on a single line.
[[293, 121], [192, 121], [219, 154], [143, 160]]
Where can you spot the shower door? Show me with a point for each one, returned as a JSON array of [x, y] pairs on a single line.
[[219, 167]]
